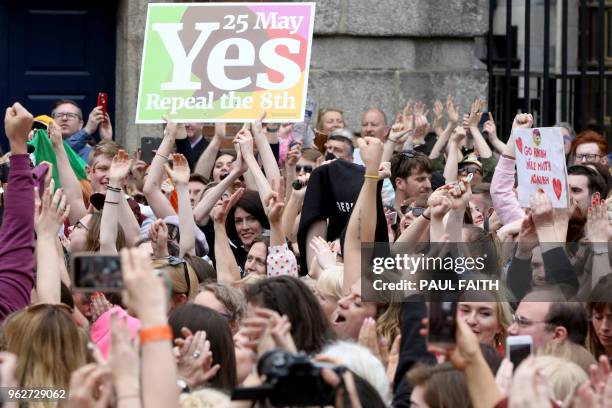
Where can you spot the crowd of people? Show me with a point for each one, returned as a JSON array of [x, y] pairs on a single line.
[[242, 269]]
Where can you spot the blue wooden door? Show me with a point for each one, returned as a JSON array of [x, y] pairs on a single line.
[[52, 50]]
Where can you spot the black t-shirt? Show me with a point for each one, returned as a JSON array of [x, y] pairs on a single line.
[[332, 192]]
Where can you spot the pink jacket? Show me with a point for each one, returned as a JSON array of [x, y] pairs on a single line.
[[101, 333], [504, 200]]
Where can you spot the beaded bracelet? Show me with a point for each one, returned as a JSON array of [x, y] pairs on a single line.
[[115, 189]]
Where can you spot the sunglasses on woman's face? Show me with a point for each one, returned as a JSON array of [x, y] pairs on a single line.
[[307, 168], [416, 211]]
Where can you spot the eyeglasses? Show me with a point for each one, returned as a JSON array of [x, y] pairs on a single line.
[[588, 157], [416, 211], [307, 168], [69, 115], [522, 321], [79, 224]]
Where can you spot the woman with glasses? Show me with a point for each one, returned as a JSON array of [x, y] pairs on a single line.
[[181, 278]]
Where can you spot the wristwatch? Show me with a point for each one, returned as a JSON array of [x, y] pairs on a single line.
[[182, 384]]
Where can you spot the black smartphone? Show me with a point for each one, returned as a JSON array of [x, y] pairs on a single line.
[[442, 324], [92, 272], [147, 147]]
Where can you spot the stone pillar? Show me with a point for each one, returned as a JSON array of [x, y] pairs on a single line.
[[131, 18], [384, 52]]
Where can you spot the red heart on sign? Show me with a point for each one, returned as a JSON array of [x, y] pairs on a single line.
[[557, 187], [519, 144]]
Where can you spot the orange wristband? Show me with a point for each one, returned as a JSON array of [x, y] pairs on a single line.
[[156, 333]]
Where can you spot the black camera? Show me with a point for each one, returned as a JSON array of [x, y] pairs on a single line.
[[290, 380]]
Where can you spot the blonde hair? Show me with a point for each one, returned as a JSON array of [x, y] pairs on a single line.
[[330, 281], [176, 274], [204, 398], [48, 344], [568, 351], [563, 376], [321, 114], [107, 148]]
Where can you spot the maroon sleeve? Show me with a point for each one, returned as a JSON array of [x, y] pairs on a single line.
[[17, 238]]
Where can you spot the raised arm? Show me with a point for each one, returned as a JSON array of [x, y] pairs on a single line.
[[147, 298], [109, 225], [480, 144], [180, 175], [202, 210], [206, 161], [226, 265], [294, 207], [17, 231], [451, 167], [280, 259], [152, 187], [268, 160], [51, 212], [362, 223], [245, 141], [398, 135], [68, 180], [453, 118], [491, 130]]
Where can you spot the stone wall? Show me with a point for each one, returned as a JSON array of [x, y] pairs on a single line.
[[365, 53]]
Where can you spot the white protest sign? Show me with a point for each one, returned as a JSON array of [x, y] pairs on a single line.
[[540, 164]]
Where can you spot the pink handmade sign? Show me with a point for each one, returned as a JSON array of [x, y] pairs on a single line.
[[540, 164]]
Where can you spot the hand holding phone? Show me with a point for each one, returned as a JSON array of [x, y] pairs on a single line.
[[92, 272], [518, 348], [103, 102], [442, 324]]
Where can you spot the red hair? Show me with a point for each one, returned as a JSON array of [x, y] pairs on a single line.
[[590, 136]]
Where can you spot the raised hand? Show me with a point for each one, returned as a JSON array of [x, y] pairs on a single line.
[[523, 120], [120, 166], [55, 134], [527, 238], [371, 150], [257, 126], [124, 358], [452, 111], [460, 194], [420, 109], [99, 305], [275, 202], [106, 128], [368, 338], [490, 128], [195, 359], [303, 180], [438, 110], [529, 388], [223, 206], [220, 130], [170, 129], [440, 204], [144, 292], [399, 131], [50, 213], [599, 228], [239, 165], [408, 115], [323, 253], [293, 155], [17, 124], [159, 238], [90, 387], [180, 169], [541, 210], [459, 134], [475, 113], [244, 139], [96, 116]]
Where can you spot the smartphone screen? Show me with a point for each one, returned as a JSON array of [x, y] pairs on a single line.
[[103, 101], [391, 218], [442, 323], [519, 352], [94, 272], [147, 146]]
